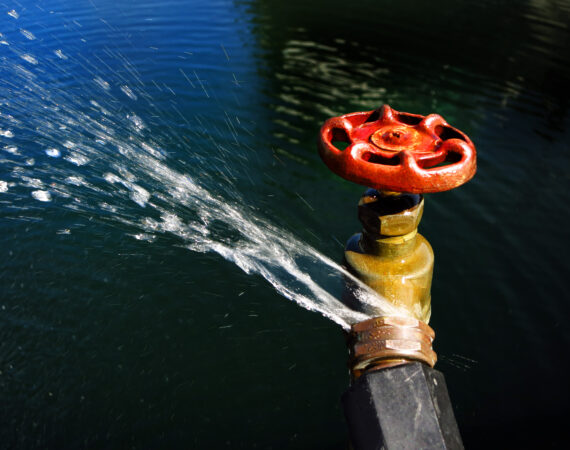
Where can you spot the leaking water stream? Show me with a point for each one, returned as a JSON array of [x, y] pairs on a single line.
[[88, 151]]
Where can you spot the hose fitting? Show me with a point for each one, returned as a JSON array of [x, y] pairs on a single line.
[[383, 342]]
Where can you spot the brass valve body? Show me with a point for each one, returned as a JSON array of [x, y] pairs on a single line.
[[390, 255]]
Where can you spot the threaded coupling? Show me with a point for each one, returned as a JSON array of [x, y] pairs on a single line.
[[388, 341]]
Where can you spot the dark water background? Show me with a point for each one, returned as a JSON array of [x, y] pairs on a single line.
[[112, 342]]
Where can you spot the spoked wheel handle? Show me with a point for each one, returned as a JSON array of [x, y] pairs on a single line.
[[394, 151]]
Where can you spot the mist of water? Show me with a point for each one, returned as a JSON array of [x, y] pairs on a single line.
[[90, 149]]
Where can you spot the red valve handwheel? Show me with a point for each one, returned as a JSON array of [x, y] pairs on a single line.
[[394, 151]]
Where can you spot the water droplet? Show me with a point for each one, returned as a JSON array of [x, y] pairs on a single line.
[[32, 182], [42, 196], [127, 175], [139, 195], [107, 207], [150, 224], [171, 222], [77, 181], [157, 153], [29, 58], [11, 149], [102, 83], [77, 159], [111, 178], [128, 92], [3, 186], [99, 107], [137, 121], [53, 152], [13, 14], [28, 34], [144, 237], [60, 54]]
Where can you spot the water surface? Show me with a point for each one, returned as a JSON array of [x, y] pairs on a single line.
[[118, 330]]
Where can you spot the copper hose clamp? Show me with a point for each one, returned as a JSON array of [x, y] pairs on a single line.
[[383, 341]]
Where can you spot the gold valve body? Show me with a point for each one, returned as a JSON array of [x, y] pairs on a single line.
[[390, 255]]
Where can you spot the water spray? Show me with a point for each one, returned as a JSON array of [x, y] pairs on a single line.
[[397, 399]]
